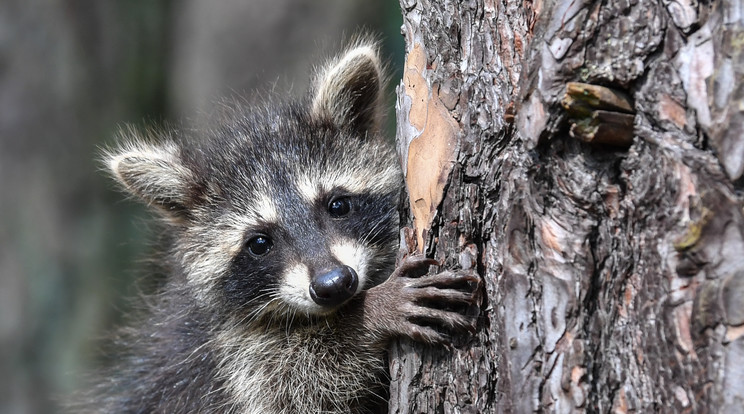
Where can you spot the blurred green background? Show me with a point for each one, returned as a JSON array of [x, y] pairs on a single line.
[[71, 73]]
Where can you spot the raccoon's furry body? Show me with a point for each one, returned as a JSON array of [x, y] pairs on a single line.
[[281, 293]]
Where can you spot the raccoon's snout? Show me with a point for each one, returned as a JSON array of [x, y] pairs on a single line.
[[334, 287]]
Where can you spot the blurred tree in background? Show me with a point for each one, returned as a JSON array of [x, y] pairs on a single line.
[[71, 73]]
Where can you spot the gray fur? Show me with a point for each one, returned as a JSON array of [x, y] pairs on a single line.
[[237, 332]]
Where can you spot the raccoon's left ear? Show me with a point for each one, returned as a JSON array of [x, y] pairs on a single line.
[[349, 90], [154, 173]]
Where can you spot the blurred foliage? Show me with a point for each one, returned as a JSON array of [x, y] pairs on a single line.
[[72, 72]]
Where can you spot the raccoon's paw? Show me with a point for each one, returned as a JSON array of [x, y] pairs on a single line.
[[447, 300], [429, 308]]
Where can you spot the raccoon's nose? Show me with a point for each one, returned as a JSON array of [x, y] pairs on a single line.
[[334, 287]]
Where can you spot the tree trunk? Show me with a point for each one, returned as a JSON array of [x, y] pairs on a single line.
[[586, 158]]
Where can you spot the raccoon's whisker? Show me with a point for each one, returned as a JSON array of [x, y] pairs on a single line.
[[291, 322], [376, 230], [257, 313]]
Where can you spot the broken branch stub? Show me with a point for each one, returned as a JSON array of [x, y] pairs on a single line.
[[599, 114]]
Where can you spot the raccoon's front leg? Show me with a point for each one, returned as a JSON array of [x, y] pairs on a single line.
[[413, 305]]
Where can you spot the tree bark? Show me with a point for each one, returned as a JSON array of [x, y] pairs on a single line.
[[586, 159]]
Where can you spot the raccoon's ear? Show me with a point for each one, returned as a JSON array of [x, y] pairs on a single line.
[[348, 91], [155, 174]]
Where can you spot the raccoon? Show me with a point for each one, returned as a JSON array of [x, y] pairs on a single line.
[[282, 233]]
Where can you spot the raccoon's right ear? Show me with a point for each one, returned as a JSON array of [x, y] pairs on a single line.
[[155, 174], [348, 91]]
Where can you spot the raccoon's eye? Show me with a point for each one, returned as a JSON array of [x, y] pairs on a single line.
[[339, 207], [259, 245]]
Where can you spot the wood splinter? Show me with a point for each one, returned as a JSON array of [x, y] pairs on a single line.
[[599, 114]]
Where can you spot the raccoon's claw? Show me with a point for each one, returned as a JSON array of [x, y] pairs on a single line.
[[427, 335], [451, 320], [463, 280], [414, 267], [445, 296]]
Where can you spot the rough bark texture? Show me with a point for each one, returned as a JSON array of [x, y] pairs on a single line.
[[71, 73], [613, 274]]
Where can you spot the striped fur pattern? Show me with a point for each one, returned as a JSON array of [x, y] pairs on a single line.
[[281, 226]]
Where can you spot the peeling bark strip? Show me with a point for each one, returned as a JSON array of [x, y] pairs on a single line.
[[431, 151], [614, 276]]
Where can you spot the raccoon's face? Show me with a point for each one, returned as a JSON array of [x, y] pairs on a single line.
[[288, 210], [311, 211]]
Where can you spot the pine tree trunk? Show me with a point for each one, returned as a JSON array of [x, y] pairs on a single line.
[[586, 159]]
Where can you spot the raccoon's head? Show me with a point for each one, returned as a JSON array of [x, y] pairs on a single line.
[[282, 209]]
